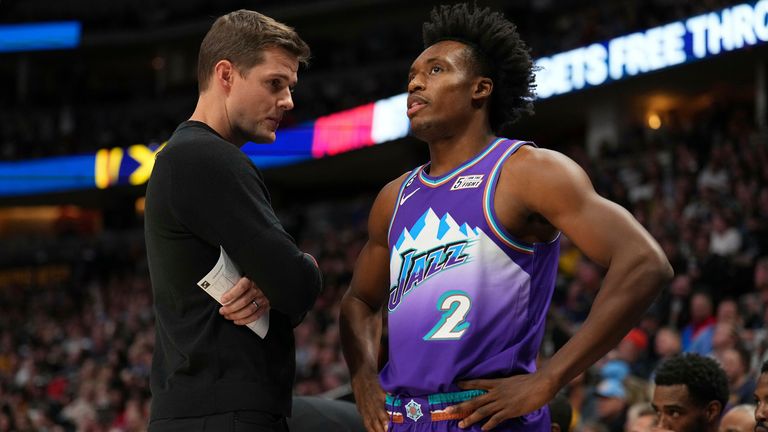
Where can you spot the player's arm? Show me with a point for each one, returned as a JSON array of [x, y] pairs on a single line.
[[361, 309], [552, 185], [609, 235]]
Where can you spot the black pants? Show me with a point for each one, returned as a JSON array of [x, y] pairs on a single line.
[[235, 421], [314, 414]]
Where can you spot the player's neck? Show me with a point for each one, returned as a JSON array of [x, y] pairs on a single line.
[[448, 153], [211, 111]]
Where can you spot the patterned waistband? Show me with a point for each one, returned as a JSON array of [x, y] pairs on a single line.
[[416, 408]]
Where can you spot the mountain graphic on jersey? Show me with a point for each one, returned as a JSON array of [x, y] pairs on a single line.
[[432, 246]]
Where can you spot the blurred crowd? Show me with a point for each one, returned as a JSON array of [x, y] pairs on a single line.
[[55, 105], [76, 340], [700, 187], [76, 319]]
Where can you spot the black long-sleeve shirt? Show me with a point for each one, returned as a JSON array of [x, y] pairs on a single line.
[[205, 193]]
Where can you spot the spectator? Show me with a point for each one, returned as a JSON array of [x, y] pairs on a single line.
[[691, 393], [612, 404], [701, 324], [735, 362], [740, 418], [640, 418]]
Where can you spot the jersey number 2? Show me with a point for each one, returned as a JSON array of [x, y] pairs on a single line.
[[455, 306]]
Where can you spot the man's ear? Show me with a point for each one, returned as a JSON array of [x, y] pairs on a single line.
[[713, 411], [224, 74], [482, 89]]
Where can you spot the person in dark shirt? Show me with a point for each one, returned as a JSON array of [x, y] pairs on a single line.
[[209, 371]]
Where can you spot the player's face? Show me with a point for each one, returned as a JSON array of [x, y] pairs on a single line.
[[676, 410], [761, 401], [440, 86], [261, 95]]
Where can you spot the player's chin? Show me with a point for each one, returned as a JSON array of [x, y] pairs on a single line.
[[424, 130], [264, 136], [416, 123]]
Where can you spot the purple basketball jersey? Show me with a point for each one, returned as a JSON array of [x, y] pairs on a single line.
[[467, 300]]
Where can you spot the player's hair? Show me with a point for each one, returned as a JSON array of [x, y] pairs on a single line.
[[495, 50], [241, 37], [764, 367], [704, 378]]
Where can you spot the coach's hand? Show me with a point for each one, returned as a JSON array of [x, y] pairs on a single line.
[[244, 303], [506, 398], [370, 400]]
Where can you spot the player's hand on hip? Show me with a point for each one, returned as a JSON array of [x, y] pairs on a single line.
[[370, 400], [507, 398], [244, 303]]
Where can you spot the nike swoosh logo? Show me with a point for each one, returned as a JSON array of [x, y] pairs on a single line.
[[403, 199]]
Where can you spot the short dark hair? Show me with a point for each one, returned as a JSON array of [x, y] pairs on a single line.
[[241, 37], [764, 368], [704, 378], [496, 51]]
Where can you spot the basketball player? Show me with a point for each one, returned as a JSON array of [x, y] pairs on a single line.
[[463, 251]]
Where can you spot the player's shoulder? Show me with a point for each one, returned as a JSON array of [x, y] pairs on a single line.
[[383, 207], [530, 160], [540, 172], [194, 143], [534, 154], [387, 197], [392, 189]]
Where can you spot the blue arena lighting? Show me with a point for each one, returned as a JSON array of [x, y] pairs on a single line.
[[695, 38], [46, 175], [40, 36]]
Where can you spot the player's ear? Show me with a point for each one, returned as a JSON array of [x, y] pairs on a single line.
[[483, 87], [224, 74]]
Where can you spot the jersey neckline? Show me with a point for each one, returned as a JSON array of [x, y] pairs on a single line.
[[439, 181]]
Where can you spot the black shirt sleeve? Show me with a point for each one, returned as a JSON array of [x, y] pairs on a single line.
[[219, 195]]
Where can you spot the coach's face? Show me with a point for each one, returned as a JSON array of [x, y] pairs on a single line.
[[259, 96], [678, 412], [443, 90]]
